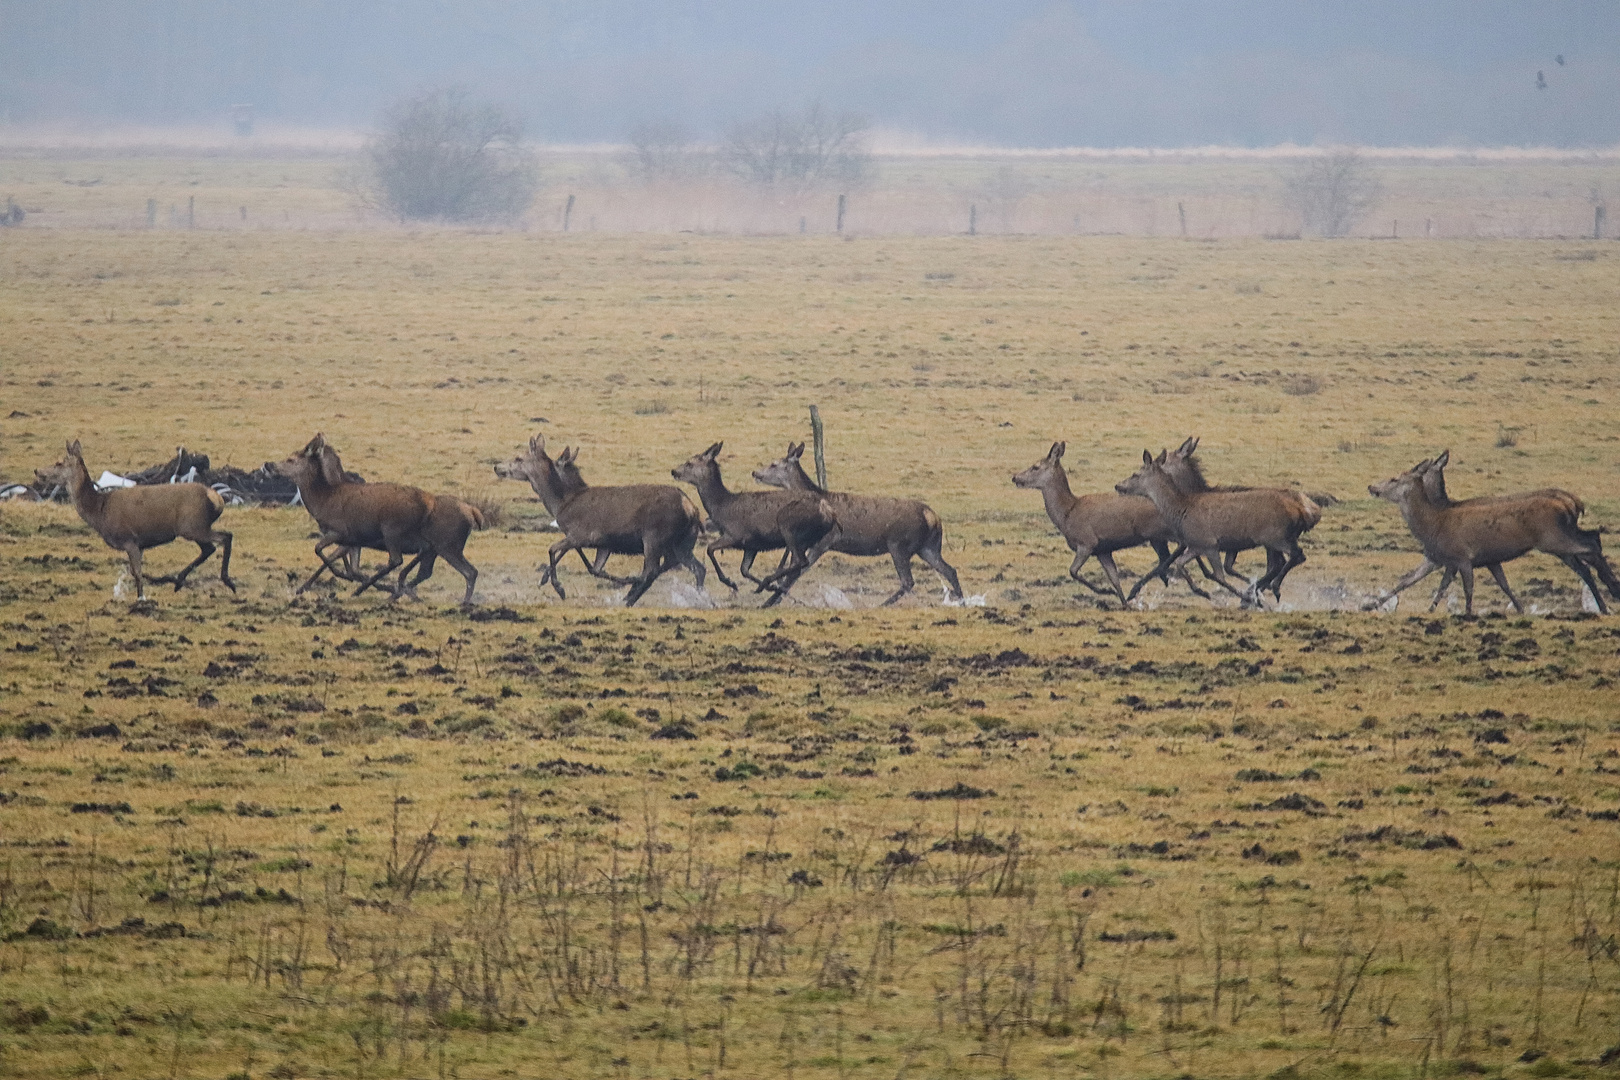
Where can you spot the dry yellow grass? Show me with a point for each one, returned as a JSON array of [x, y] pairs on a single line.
[[1310, 814]]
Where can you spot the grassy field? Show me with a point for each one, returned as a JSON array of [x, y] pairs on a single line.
[[282, 837]]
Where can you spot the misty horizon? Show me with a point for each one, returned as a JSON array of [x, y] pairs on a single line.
[[1124, 77]]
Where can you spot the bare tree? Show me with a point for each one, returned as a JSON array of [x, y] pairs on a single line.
[[1332, 192], [799, 150], [663, 150], [442, 157]]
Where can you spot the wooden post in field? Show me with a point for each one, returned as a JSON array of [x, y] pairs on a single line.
[[1428, 228], [803, 222], [1181, 209], [568, 212], [818, 437], [191, 212], [1395, 229], [973, 219], [1598, 214], [244, 213], [151, 213], [841, 213]]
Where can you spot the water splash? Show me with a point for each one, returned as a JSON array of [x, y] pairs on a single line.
[[976, 600], [683, 595], [121, 586]]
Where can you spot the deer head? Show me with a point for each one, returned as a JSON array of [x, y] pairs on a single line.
[[1138, 482], [699, 466], [1043, 471]]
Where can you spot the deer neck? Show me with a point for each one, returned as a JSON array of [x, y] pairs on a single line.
[[1169, 500], [550, 489], [1057, 496], [313, 488], [90, 503], [802, 481], [713, 491], [1422, 516]]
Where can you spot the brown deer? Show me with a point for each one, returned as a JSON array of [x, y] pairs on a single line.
[[134, 519], [1487, 532], [656, 521], [449, 524], [1434, 485], [870, 525], [1184, 468], [1209, 523], [385, 517], [756, 521], [1099, 524]]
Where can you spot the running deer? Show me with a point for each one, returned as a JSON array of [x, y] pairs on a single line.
[[756, 521], [450, 522], [134, 519], [1099, 524], [384, 517], [1434, 485], [1209, 523], [870, 525], [1184, 468], [1488, 532], [655, 521]]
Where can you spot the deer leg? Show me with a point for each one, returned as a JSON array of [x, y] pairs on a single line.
[[1080, 557], [598, 567], [464, 568], [133, 552], [395, 558], [1595, 559], [720, 545], [1574, 563], [1418, 573], [652, 564], [902, 566], [1161, 571], [1296, 557], [1502, 583], [326, 564], [558, 550], [1219, 576], [932, 552], [204, 549], [1466, 570], [224, 539], [1445, 585], [1105, 559]]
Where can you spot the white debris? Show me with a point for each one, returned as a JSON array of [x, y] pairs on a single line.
[[976, 600], [16, 491], [113, 480], [190, 477], [829, 597], [121, 586]]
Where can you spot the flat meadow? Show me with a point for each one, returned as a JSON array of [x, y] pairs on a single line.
[[267, 835]]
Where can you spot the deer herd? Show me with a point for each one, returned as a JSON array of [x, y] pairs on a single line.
[[1166, 505]]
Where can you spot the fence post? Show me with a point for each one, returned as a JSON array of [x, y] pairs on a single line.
[[568, 212], [1598, 214], [840, 213], [973, 219], [191, 212], [151, 213], [1181, 209], [818, 438]]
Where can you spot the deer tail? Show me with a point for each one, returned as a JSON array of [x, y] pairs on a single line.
[[215, 500], [474, 516]]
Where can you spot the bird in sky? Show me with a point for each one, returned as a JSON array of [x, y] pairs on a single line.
[[1541, 81], [1559, 59]]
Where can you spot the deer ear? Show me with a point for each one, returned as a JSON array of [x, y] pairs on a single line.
[[1443, 460], [568, 455], [1186, 447], [1056, 453], [1147, 457], [794, 452], [1163, 456], [74, 449], [1193, 444], [714, 451]]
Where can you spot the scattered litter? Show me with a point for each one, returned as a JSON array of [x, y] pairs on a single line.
[[18, 491], [190, 477], [113, 480], [121, 586], [976, 600]]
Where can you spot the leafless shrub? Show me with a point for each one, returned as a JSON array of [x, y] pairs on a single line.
[[486, 503], [662, 151], [1331, 193], [1301, 385], [1506, 437], [799, 151], [441, 157]]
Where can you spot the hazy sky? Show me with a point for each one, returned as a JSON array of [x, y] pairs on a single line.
[[1011, 73]]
